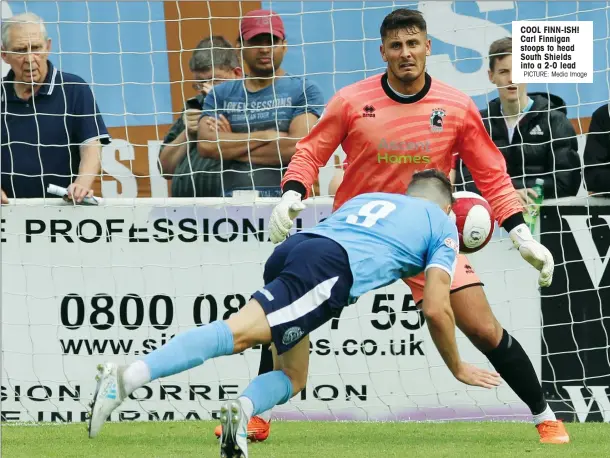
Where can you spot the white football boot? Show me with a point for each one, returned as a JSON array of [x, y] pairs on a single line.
[[109, 394], [234, 438]]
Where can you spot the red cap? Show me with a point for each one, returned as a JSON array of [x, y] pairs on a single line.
[[261, 21]]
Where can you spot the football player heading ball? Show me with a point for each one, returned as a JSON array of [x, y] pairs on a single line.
[[437, 120], [371, 241]]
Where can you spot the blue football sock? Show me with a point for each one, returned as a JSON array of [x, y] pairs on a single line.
[[268, 390], [189, 349]]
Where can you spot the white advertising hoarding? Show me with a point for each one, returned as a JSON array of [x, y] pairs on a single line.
[[82, 285]]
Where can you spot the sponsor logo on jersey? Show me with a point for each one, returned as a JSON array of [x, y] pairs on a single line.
[[403, 145], [402, 159], [436, 120], [390, 157]]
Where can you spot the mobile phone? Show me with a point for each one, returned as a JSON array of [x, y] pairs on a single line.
[[193, 104]]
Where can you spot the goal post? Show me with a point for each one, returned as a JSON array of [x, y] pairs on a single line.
[[83, 285]]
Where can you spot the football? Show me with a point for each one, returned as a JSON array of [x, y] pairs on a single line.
[[474, 221]]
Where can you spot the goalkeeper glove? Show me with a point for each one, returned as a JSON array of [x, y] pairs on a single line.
[[533, 252], [282, 215]]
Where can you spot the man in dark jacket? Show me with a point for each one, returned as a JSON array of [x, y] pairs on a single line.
[[597, 152], [531, 130]]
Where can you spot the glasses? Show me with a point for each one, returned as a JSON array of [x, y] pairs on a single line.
[[203, 84], [200, 86]]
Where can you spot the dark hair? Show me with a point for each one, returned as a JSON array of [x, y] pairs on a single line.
[[213, 52], [441, 183], [403, 18], [499, 49]]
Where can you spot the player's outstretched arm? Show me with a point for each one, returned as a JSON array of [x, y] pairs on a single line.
[[488, 169], [534, 253], [283, 214], [487, 166], [441, 324], [312, 152]]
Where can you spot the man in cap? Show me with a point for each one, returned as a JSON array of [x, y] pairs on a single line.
[[253, 125]]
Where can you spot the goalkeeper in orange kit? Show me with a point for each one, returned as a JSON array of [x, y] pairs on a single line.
[[401, 122]]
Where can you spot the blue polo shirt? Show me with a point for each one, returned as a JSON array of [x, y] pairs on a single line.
[[41, 136]]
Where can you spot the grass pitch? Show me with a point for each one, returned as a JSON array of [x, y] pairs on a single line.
[[306, 440]]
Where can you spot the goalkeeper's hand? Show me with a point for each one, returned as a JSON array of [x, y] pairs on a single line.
[[533, 252], [282, 215]]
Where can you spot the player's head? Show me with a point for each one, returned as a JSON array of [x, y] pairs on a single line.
[[405, 44], [263, 42], [25, 47], [213, 62], [432, 185], [501, 71]]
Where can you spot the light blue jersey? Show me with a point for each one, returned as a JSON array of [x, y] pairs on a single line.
[[391, 236]]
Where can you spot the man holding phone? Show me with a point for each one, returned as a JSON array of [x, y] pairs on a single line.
[[213, 62]]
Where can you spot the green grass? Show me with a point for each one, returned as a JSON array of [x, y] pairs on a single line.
[[306, 440]]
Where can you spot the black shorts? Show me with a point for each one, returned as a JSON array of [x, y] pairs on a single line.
[[307, 282]]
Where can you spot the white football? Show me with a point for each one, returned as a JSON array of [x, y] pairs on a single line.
[[474, 220]]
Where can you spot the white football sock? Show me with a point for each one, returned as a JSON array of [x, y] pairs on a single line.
[[546, 415], [246, 406], [135, 375]]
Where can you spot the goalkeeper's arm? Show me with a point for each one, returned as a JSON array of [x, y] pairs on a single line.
[[315, 149], [312, 152], [441, 325], [488, 169]]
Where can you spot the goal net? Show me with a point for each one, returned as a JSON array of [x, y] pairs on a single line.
[[86, 284]]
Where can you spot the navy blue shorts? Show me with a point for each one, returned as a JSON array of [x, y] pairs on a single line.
[[307, 282]]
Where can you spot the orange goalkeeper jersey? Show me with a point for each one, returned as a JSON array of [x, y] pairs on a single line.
[[387, 138]]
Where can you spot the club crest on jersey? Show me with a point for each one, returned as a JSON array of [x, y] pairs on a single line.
[[436, 120], [452, 244]]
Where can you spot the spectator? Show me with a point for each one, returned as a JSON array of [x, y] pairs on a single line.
[[214, 61], [51, 128], [253, 125], [597, 152], [532, 132]]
